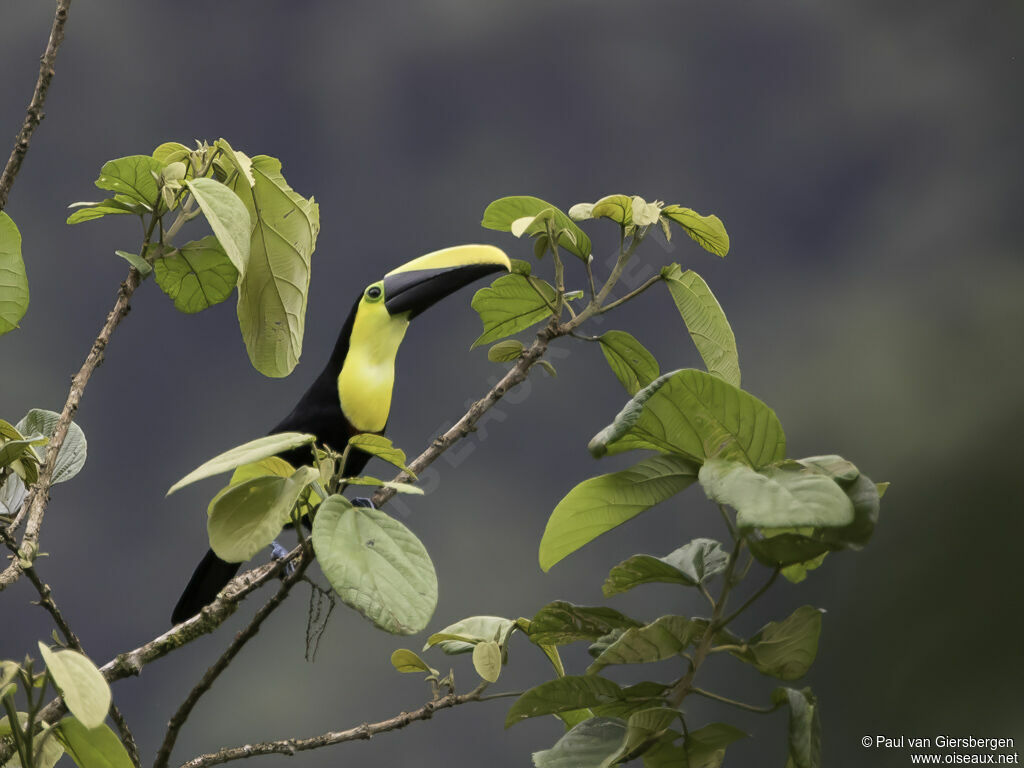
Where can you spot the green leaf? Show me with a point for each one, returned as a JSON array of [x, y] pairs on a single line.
[[505, 351], [84, 690], [690, 565], [463, 636], [562, 695], [601, 503], [273, 289], [136, 261], [697, 415], [92, 747], [46, 749], [382, 448], [864, 496], [376, 565], [74, 450], [618, 208], [549, 369], [708, 231], [706, 322], [396, 487], [118, 204], [196, 276], [784, 547], [246, 453], [236, 161], [13, 281], [171, 152], [227, 217], [133, 177], [629, 360], [644, 727], [804, 726], [776, 497], [245, 518], [501, 213], [785, 649], [406, 661], [487, 660], [560, 623], [588, 744], [510, 304], [705, 747], [663, 638]]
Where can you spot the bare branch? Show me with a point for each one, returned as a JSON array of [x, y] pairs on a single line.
[[34, 115]]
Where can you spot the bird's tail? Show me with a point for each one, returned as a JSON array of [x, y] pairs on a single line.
[[209, 578]]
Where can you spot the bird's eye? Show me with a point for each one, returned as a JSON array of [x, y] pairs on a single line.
[[373, 292]]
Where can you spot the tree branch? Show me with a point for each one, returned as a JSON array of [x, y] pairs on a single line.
[[364, 731], [34, 114]]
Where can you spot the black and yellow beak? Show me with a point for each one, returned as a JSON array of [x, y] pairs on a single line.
[[418, 285]]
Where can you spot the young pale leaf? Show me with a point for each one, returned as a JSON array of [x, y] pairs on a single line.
[[708, 231], [474, 630], [561, 623], [706, 322], [118, 204], [376, 565], [591, 743], [13, 281], [12, 494], [695, 414], [785, 649], [171, 152], [227, 217], [136, 261], [73, 452], [196, 276], [92, 747], [84, 690], [236, 161], [502, 213], [601, 503], [562, 695], [510, 304], [804, 726], [273, 289], [406, 661], [690, 565], [487, 660], [133, 177], [46, 749], [396, 487], [382, 448], [245, 518], [665, 637], [776, 497], [246, 453], [629, 360], [505, 351]]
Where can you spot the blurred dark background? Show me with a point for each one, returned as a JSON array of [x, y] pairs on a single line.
[[867, 161]]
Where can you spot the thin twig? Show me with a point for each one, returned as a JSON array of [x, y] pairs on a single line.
[[34, 114], [732, 702], [632, 294], [750, 600], [360, 732], [178, 719]]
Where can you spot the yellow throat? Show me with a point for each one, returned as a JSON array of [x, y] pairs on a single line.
[[368, 373]]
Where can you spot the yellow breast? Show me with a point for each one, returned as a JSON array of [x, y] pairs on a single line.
[[368, 374]]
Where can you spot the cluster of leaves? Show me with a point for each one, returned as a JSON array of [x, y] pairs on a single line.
[[703, 428], [374, 562], [264, 234], [83, 735]]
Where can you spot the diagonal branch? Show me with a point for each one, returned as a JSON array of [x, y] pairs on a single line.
[[34, 115]]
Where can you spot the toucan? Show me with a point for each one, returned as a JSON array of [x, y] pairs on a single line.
[[352, 394]]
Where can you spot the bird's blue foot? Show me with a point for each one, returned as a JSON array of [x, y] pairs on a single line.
[[279, 552], [362, 501]]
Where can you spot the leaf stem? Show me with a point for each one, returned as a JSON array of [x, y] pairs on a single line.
[[732, 702], [631, 295], [752, 599]]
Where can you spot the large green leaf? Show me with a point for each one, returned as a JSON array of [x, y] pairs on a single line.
[[118, 204], [706, 322], [778, 496], [84, 690], [601, 503], [785, 649], [706, 230], [644, 727], [228, 218], [697, 415], [197, 275], [382, 448], [376, 565], [804, 726], [246, 453], [562, 695], [73, 451], [661, 639], [132, 177], [560, 623], [462, 636], [502, 213], [92, 747], [863, 495], [13, 281], [510, 304], [273, 290], [246, 517], [591, 743], [629, 360], [690, 565]]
